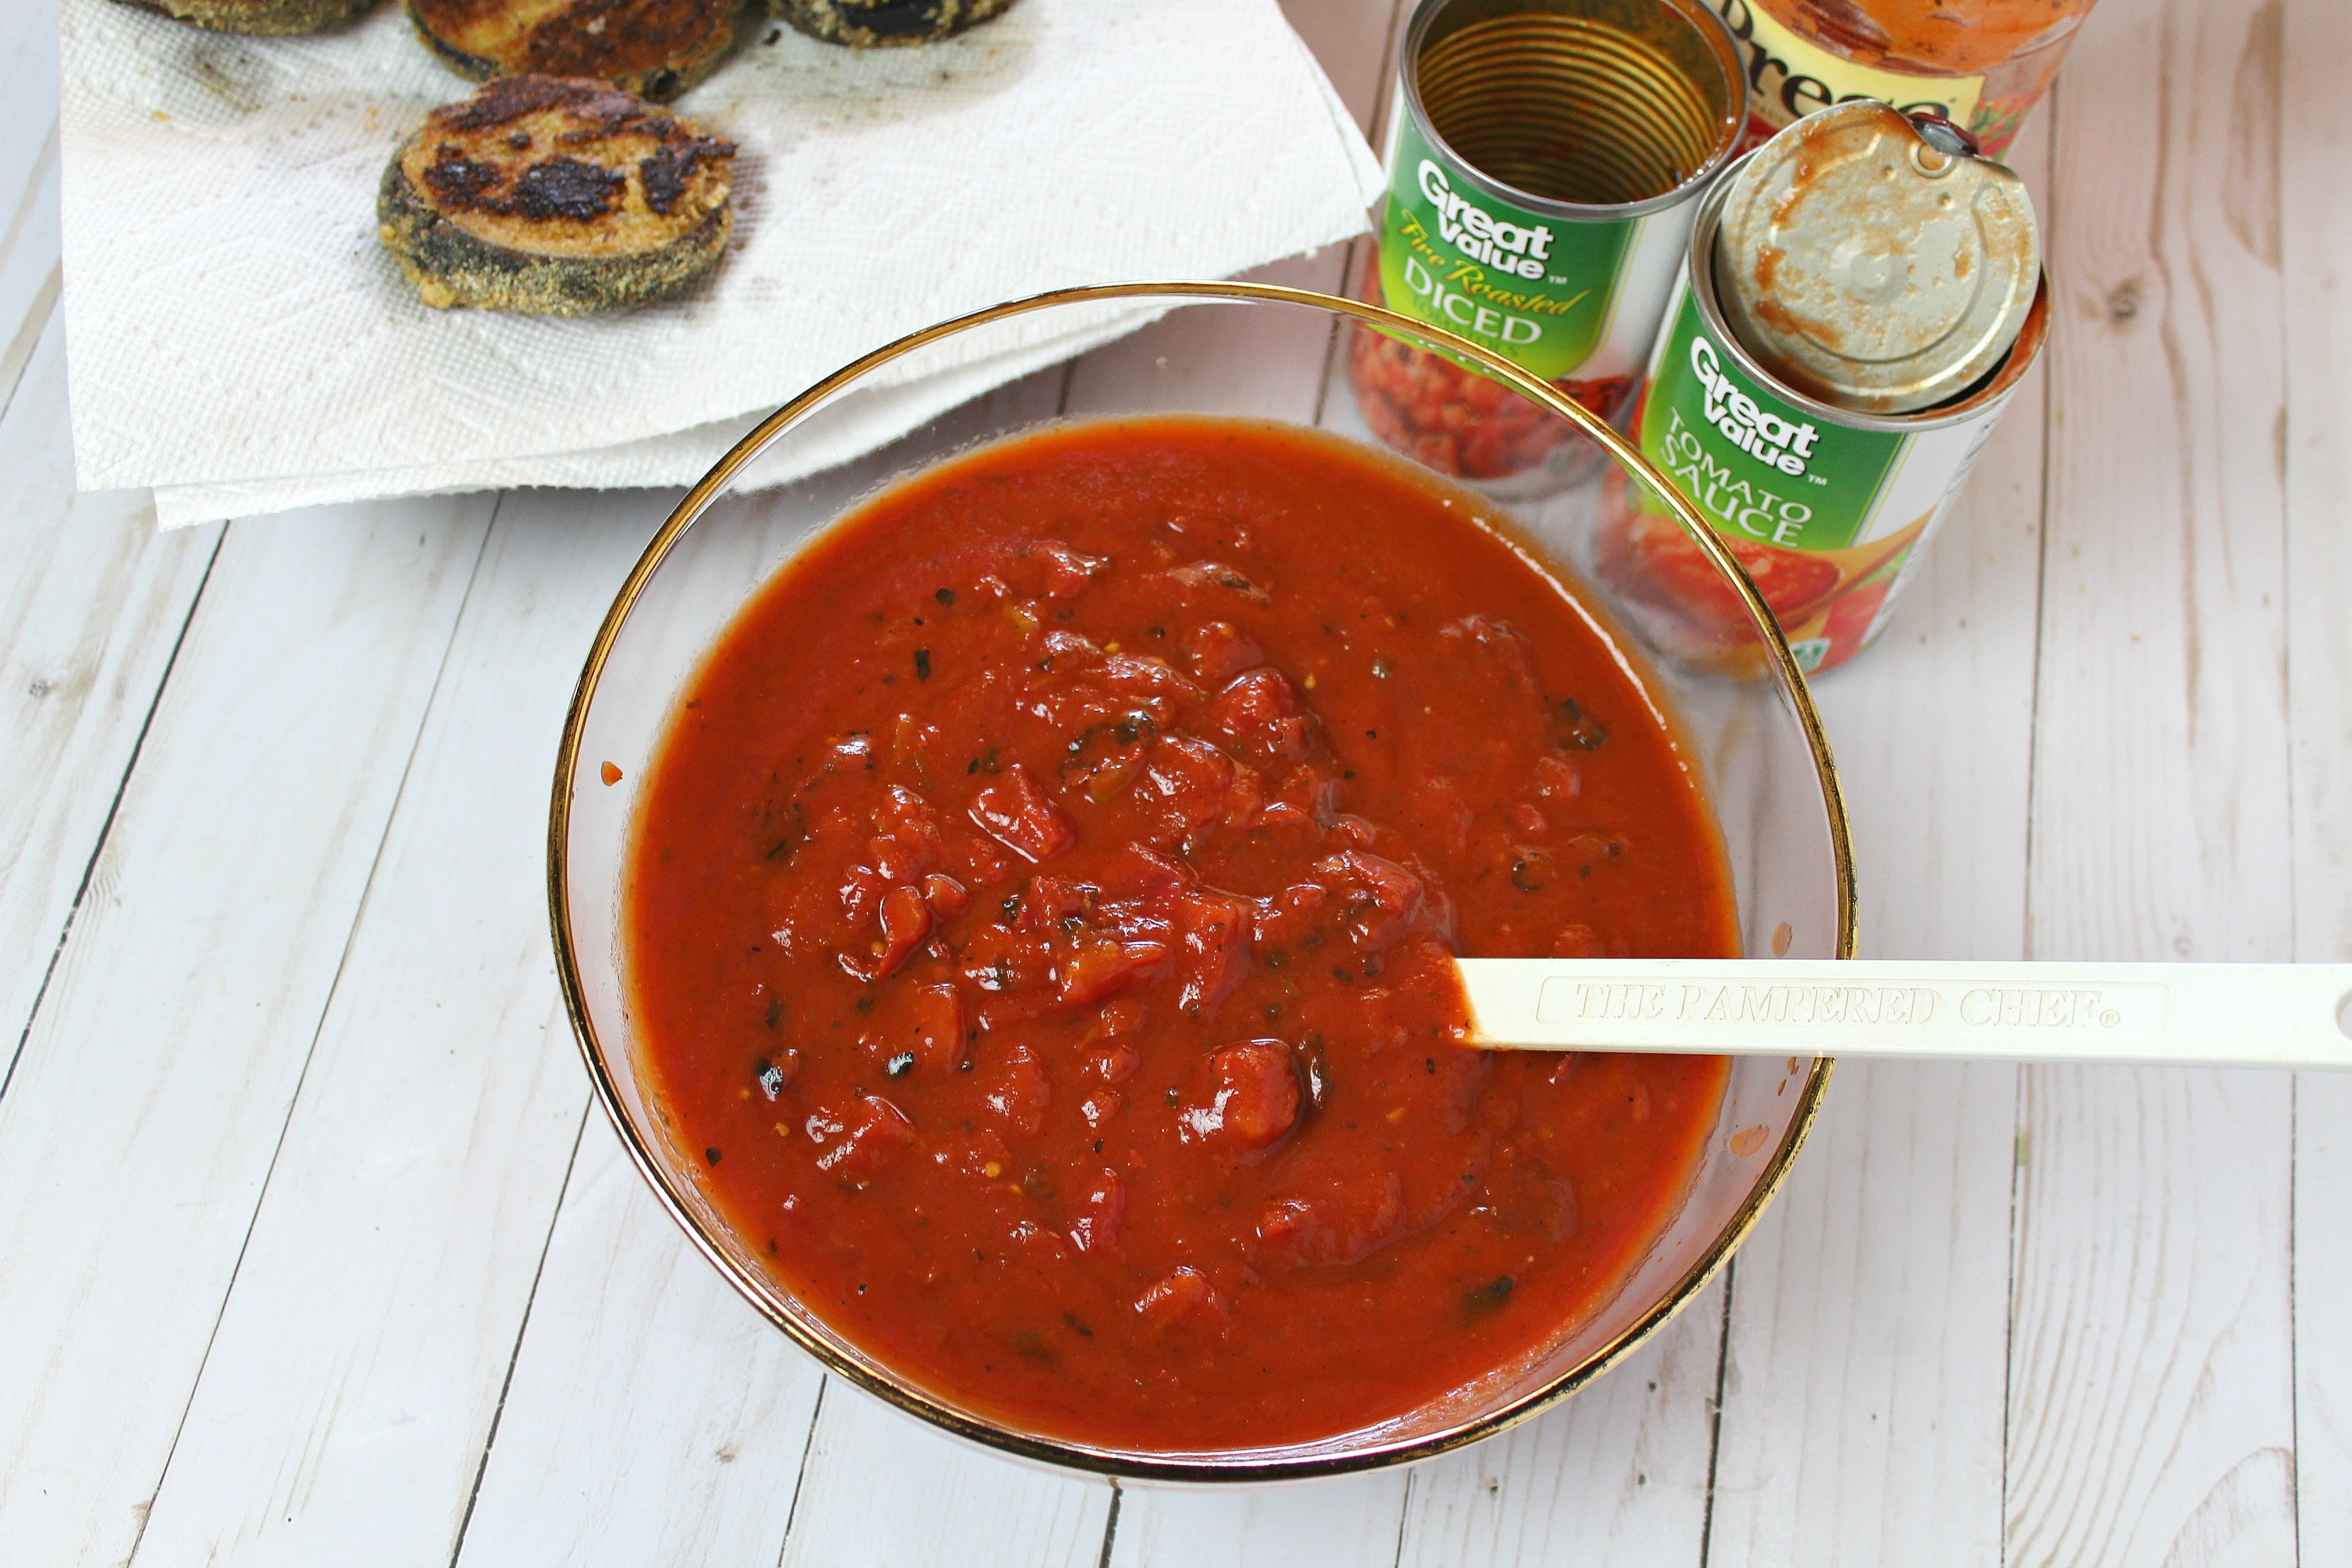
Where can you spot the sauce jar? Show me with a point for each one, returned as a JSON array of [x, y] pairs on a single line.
[[1981, 63]]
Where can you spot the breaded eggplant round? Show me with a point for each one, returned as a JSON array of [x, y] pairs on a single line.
[[654, 48], [870, 24], [268, 18], [555, 197]]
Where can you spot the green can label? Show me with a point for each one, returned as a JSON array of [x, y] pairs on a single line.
[[1758, 467], [1535, 289], [1828, 517]]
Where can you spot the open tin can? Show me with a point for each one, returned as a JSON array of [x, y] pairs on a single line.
[[1545, 158], [1859, 298]]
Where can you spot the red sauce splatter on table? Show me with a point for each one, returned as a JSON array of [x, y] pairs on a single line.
[[1040, 925]]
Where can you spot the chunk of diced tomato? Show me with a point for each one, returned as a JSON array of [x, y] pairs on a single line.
[[1382, 896], [861, 888], [1097, 1216], [1290, 916], [1184, 788], [1122, 1016], [1557, 779], [1312, 793], [1342, 1218], [1066, 650], [1099, 967], [1048, 901], [906, 921], [907, 835], [977, 861], [1249, 1098], [1115, 1064], [1157, 875], [1018, 812], [1219, 650], [899, 859], [1140, 675], [1019, 1090], [1068, 571], [939, 1032], [1184, 1303], [1216, 930], [1216, 577], [876, 1132], [946, 896], [1036, 1245], [1004, 962], [1259, 711], [1495, 650]]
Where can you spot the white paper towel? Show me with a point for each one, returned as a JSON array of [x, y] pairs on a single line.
[[238, 339]]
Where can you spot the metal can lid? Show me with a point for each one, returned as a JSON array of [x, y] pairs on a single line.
[[1873, 263]]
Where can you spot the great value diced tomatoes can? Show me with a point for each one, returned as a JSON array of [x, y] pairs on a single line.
[[1545, 158], [1859, 299]]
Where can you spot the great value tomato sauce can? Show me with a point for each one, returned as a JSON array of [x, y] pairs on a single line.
[[1544, 160], [1858, 301]]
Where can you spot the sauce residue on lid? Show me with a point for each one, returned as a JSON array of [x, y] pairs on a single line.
[[1869, 266]]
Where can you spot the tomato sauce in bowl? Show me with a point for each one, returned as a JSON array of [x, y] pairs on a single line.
[[1039, 920]]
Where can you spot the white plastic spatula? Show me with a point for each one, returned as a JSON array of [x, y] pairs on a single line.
[[2175, 1014]]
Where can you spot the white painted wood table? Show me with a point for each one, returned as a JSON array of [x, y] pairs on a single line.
[[313, 1249]]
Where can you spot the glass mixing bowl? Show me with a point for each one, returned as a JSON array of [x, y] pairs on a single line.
[[1211, 348]]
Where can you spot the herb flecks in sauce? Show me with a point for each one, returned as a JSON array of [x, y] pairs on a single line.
[[1119, 1095]]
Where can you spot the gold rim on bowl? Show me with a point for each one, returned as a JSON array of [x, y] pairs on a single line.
[[1080, 1457]]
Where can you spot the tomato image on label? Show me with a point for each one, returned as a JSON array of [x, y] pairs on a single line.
[[1650, 559], [1461, 422]]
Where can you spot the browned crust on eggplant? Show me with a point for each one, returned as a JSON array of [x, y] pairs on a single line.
[[884, 24], [266, 18], [654, 48], [555, 197]]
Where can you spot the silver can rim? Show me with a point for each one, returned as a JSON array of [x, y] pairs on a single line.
[[1701, 16], [1987, 396]]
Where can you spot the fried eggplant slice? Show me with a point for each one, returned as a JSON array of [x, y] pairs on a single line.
[[555, 196], [654, 48], [870, 24], [268, 18]]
